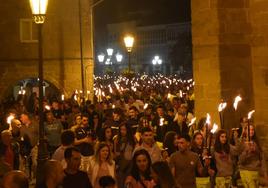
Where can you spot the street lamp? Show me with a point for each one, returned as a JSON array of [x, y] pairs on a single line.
[[119, 57], [110, 51], [156, 60], [129, 41], [110, 57], [101, 58], [39, 8]]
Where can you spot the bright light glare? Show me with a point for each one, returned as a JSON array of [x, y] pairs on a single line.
[[39, 7], [129, 41], [157, 60], [101, 58], [119, 57], [110, 51]]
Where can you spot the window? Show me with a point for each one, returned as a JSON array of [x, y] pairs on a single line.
[[28, 31]]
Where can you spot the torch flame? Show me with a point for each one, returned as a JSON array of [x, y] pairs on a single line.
[[214, 128], [10, 118], [250, 114], [192, 122], [237, 100], [181, 94], [222, 106], [47, 107], [161, 121], [208, 122], [145, 106]]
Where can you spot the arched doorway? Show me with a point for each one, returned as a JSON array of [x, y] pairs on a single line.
[[24, 90]]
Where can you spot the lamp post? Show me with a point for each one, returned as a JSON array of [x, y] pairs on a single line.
[[39, 8], [129, 41]]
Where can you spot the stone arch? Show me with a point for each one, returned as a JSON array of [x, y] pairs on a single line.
[[9, 86]]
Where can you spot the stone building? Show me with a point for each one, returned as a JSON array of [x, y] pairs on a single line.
[[230, 54], [150, 41], [61, 45]]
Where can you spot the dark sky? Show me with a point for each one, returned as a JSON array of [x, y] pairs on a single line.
[[149, 11]]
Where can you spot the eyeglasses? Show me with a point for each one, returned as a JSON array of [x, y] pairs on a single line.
[[85, 119]]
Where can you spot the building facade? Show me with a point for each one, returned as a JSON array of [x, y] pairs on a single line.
[[230, 45], [61, 45], [150, 41]]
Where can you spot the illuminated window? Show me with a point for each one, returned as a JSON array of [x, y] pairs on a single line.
[[28, 31]]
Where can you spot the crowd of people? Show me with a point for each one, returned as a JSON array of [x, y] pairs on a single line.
[[136, 133]]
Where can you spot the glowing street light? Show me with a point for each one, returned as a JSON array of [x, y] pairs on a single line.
[[156, 60], [108, 59], [110, 51], [39, 9], [119, 57], [129, 42], [101, 58]]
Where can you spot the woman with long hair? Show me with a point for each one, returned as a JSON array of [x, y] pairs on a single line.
[[251, 159], [223, 155], [106, 135], [162, 175], [140, 174], [197, 145], [101, 164], [124, 143], [171, 142], [199, 148]]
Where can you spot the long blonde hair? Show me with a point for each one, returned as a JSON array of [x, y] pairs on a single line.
[[99, 146]]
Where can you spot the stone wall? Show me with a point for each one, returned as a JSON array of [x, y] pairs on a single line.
[[229, 58], [61, 45], [259, 53]]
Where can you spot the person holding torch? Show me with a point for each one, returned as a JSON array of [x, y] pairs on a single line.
[[251, 160]]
